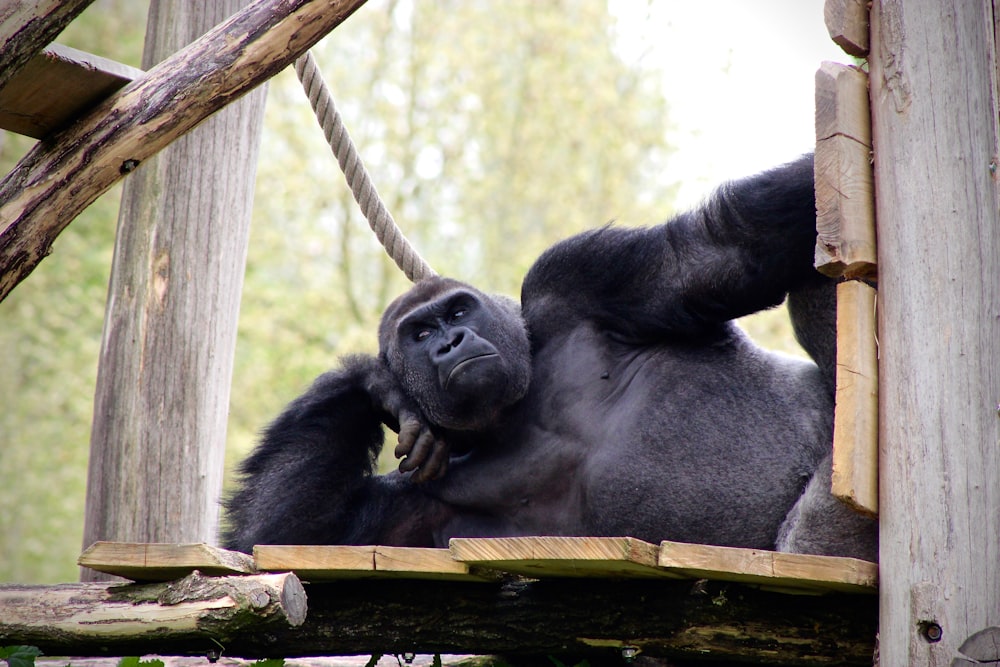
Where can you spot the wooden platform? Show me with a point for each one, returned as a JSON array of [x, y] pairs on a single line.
[[57, 86], [486, 559]]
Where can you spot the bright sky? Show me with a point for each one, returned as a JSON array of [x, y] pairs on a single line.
[[739, 79]]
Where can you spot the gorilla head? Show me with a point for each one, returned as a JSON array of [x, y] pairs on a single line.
[[461, 354]]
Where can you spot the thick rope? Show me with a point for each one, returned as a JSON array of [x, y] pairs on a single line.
[[379, 218]]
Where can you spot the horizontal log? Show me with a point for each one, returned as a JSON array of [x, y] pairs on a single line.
[[571, 619], [96, 619], [62, 175]]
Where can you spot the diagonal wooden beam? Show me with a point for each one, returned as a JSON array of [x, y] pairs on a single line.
[[27, 26], [63, 174]]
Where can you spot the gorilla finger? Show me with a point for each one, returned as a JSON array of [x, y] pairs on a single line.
[[437, 464], [418, 453], [410, 429]]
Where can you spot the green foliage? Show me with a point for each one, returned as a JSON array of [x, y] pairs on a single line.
[[269, 662], [136, 662], [19, 656]]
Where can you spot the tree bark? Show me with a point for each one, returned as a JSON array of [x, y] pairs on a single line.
[[27, 27], [935, 114], [61, 176], [69, 617], [571, 619], [162, 400]]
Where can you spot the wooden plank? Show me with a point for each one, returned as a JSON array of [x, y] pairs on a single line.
[[57, 86], [561, 556], [327, 563], [845, 206], [772, 569], [847, 23], [163, 562], [855, 425]]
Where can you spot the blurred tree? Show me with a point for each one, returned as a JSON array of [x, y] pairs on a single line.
[[51, 335]]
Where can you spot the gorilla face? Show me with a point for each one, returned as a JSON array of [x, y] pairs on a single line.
[[461, 354]]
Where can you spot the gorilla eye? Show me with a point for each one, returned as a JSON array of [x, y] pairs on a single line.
[[458, 314], [421, 334]]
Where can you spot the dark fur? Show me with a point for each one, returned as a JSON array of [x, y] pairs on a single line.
[[625, 403]]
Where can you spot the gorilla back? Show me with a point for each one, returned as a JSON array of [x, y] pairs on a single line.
[[619, 400]]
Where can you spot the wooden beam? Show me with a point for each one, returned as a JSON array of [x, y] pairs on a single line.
[[570, 619], [191, 610], [161, 403], [855, 423], [937, 142], [28, 104], [163, 562], [847, 23], [845, 207], [60, 177], [27, 26]]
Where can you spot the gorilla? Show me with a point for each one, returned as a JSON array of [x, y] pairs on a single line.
[[617, 399]]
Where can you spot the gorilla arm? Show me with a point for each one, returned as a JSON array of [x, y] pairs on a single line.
[[740, 252], [311, 478]]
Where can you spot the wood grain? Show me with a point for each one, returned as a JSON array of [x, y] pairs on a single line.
[[845, 208], [561, 556], [935, 124], [792, 572]]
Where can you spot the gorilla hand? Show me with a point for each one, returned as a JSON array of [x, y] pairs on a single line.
[[422, 451]]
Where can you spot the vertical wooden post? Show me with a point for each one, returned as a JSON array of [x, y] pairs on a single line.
[[934, 109], [158, 437]]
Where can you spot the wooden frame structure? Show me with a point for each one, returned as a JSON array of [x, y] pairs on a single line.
[[933, 89]]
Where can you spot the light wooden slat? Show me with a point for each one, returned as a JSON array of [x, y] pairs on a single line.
[[561, 556], [326, 563], [794, 572], [855, 424], [163, 562], [845, 199], [57, 86]]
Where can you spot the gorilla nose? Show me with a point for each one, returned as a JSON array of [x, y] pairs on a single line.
[[454, 341]]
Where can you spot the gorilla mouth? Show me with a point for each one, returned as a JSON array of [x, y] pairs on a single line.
[[461, 367]]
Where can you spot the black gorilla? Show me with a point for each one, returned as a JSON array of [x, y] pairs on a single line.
[[625, 402]]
